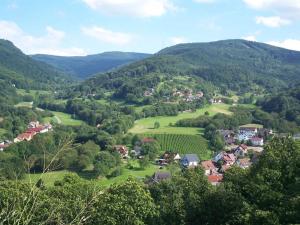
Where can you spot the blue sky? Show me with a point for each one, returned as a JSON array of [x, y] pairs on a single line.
[[80, 27]]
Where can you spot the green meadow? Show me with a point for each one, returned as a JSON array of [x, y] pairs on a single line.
[[63, 118], [146, 125]]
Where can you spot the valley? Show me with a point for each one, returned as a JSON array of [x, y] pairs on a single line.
[[218, 118]]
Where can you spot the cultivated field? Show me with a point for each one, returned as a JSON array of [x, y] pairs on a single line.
[[184, 144]]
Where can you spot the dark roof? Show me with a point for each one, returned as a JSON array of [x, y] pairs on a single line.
[[191, 157], [158, 176]]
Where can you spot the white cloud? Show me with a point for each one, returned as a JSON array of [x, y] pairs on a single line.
[[107, 36], [46, 44], [137, 8], [286, 8], [292, 44], [177, 40], [273, 21], [204, 1], [250, 38]]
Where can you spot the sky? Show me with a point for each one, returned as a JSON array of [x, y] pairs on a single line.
[[82, 27]]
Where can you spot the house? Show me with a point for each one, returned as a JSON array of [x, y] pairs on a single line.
[[160, 176], [243, 163], [224, 168], [33, 124], [229, 159], [241, 150], [190, 160], [246, 133], [24, 137], [218, 157], [170, 157], [215, 179], [136, 151], [122, 150], [3, 146], [209, 167], [257, 141]]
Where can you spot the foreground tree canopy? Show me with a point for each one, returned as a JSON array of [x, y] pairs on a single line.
[[268, 193]]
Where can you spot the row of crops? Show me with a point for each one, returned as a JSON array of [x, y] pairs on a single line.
[[184, 144]]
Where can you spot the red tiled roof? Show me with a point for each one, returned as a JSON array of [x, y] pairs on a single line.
[[215, 178], [25, 136], [208, 165], [36, 129]]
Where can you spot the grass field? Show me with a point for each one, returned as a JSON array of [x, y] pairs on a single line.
[[146, 125], [50, 177], [24, 104], [2, 132], [184, 144], [32, 92], [63, 118]]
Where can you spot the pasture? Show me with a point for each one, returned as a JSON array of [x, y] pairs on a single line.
[[146, 125], [63, 118]]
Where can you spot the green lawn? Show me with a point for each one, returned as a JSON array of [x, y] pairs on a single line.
[[63, 118], [49, 178], [146, 125]]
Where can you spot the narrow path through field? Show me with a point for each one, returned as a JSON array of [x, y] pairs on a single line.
[[58, 120]]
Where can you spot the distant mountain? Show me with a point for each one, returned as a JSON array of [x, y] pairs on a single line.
[[238, 65], [83, 67], [21, 71]]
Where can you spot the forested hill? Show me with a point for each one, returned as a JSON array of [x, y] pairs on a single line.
[[231, 64], [22, 71], [85, 66]]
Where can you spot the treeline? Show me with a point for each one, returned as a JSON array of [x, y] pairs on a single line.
[[165, 109], [285, 105], [265, 194], [242, 115]]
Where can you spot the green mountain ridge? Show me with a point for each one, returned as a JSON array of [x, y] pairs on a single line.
[[83, 67], [236, 65], [22, 71]]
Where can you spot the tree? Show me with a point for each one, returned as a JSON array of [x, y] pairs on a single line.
[[151, 149], [156, 125], [144, 162], [127, 203]]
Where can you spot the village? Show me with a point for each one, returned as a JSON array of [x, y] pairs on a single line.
[[242, 150], [33, 128], [186, 95]]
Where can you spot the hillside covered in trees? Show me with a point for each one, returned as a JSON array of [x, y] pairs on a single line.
[[22, 71], [83, 67], [237, 65]]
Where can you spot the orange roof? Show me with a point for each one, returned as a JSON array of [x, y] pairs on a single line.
[[208, 165], [215, 178]]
